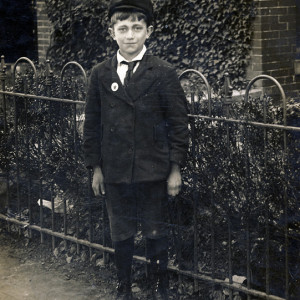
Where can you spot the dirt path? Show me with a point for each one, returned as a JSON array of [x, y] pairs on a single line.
[[29, 280], [35, 277], [31, 271]]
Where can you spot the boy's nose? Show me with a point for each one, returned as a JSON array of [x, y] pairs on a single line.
[[130, 34]]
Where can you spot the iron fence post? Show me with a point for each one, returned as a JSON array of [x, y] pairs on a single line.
[[16, 141], [75, 143], [227, 105], [48, 82], [3, 77], [285, 180]]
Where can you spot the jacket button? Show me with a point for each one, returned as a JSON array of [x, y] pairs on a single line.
[[112, 129], [112, 105]]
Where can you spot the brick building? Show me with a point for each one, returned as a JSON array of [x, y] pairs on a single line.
[[276, 43]]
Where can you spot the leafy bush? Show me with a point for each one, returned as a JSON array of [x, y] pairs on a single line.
[[229, 179], [233, 183], [46, 139], [211, 36]]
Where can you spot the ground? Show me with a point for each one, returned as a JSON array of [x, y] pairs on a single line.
[[31, 270]]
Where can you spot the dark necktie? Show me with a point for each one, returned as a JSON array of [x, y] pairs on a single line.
[[129, 72]]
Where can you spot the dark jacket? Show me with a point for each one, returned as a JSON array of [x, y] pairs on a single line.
[[134, 133]]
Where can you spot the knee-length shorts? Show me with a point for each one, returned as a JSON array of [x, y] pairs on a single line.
[[139, 203]]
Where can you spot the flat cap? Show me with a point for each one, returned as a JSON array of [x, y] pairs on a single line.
[[144, 6]]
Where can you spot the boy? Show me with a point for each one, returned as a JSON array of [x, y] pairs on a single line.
[[135, 139]]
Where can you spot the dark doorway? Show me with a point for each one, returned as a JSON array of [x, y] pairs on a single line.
[[298, 28], [18, 29]]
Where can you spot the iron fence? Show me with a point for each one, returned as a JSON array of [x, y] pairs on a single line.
[[233, 227]]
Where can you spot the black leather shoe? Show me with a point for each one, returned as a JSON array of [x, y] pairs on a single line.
[[124, 291]]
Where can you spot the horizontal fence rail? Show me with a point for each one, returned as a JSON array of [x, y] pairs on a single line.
[[228, 227]]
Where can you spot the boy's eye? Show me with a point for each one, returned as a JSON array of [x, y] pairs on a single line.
[[122, 29], [138, 28]]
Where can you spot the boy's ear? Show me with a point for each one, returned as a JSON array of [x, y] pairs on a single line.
[[149, 31], [111, 32]]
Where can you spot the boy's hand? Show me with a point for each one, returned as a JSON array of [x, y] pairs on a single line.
[[174, 181], [98, 181]]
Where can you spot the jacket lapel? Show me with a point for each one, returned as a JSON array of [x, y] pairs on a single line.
[[112, 83], [142, 79], [140, 82]]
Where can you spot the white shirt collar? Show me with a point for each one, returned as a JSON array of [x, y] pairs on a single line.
[[120, 58]]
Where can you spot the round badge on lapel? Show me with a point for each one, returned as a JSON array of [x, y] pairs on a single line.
[[114, 87]]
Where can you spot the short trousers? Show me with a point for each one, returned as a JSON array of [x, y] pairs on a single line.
[[131, 204]]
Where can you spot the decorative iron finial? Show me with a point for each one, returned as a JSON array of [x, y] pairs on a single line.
[[49, 73], [3, 69], [228, 89]]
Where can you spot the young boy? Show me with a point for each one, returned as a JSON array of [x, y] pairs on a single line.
[[135, 139]]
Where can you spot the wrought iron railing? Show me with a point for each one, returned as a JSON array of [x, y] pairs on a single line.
[[225, 223]]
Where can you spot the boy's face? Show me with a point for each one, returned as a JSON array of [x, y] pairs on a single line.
[[130, 36]]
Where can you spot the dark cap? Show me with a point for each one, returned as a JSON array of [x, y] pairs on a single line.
[[144, 6]]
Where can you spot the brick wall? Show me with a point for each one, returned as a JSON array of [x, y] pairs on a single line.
[[43, 30], [274, 44]]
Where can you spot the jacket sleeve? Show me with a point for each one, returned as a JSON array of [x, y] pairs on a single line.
[[92, 123], [176, 112]]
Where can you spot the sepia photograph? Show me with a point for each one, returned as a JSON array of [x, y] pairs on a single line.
[[149, 149]]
